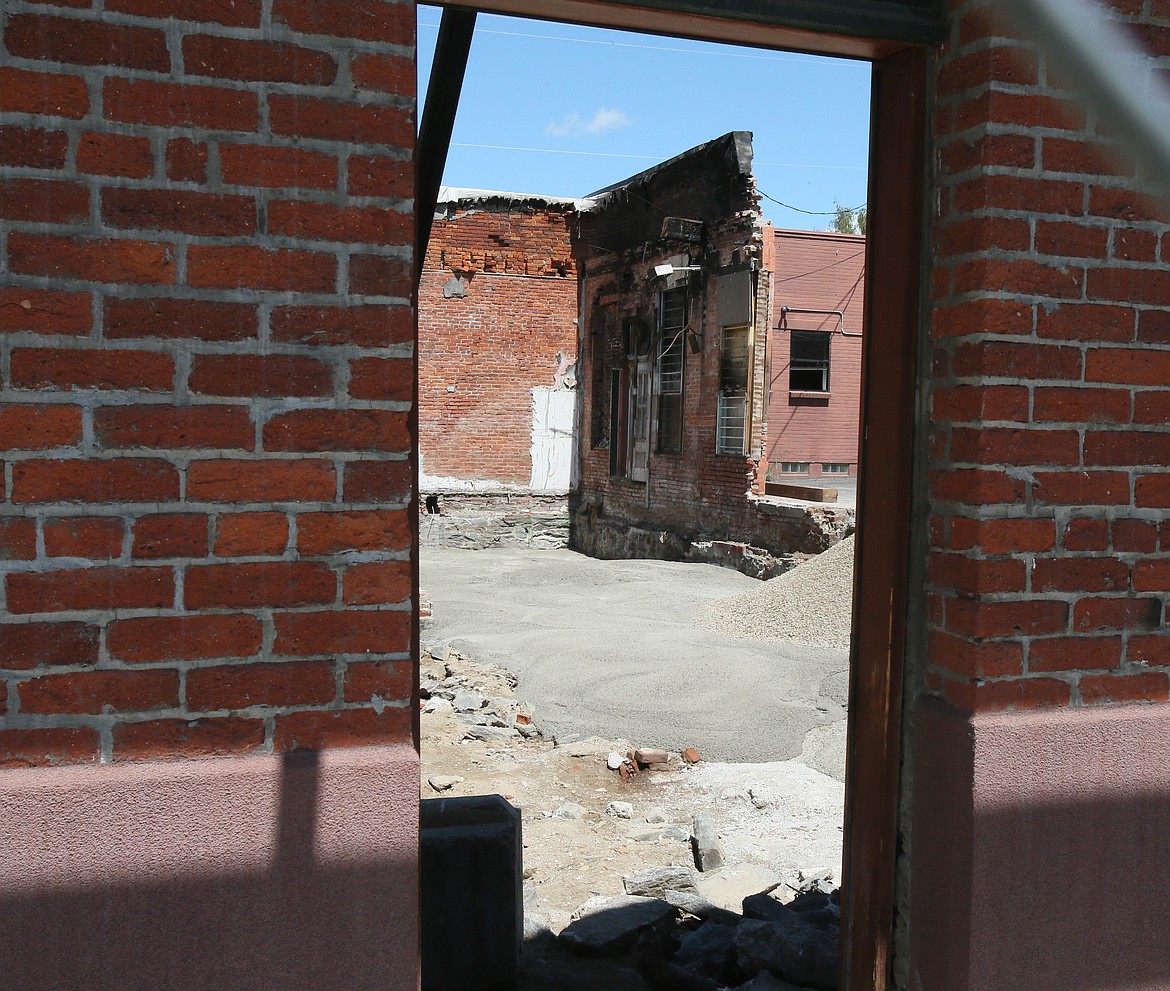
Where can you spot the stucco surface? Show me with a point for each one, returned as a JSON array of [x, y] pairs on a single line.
[[1039, 848], [258, 872]]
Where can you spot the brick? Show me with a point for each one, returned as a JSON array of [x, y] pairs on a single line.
[[178, 210], [164, 104], [275, 375], [274, 583], [1128, 366], [975, 316], [382, 379], [1125, 204], [1135, 246], [976, 487], [49, 747], [24, 646], [1003, 359], [378, 481], [976, 576], [1023, 110], [249, 534], [240, 686], [1079, 574], [342, 728], [1019, 194], [247, 267], [228, 480], [86, 42], [337, 120], [1127, 447], [380, 275], [1003, 536], [167, 739], [46, 94], [43, 200], [1074, 653], [91, 588], [987, 659], [261, 165], [1135, 536], [1152, 491], [90, 368], [978, 234], [256, 61], [1086, 322], [1013, 151], [1154, 325], [392, 23], [359, 326], [1082, 488], [1010, 446], [996, 64], [93, 537], [1016, 693], [328, 222], [96, 692], [235, 13], [1071, 239], [1148, 686], [339, 430], [92, 259], [173, 427], [1130, 285], [1018, 276], [393, 74], [378, 175], [370, 681], [1078, 405], [350, 631], [358, 530], [43, 311], [169, 535], [168, 319], [153, 639], [1153, 648], [33, 149], [115, 155], [375, 583], [1006, 619], [18, 539], [1085, 534], [186, 160], [34, 428], [1152, 575], [1079, 156], [1117, 614], [92, 481]]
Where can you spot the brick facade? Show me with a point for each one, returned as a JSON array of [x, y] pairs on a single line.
[[497, 318], [206, 360]]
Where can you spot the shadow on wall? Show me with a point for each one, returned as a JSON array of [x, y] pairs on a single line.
[[294, 872]]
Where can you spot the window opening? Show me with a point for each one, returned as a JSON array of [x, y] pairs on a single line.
[[734, 359], [672, 325], [809, 370], [835, 468], [794, 467]]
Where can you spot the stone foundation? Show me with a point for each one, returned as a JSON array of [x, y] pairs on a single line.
[[479, 521]]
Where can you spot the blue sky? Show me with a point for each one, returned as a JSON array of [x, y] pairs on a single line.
[[564, 110]]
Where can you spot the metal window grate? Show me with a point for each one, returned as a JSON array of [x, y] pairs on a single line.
[[730, 425], [672, 324]]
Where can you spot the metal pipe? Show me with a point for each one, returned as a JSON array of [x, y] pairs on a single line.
[[839, 314]]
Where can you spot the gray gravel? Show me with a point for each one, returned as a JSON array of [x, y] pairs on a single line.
[[616, 649], [810, 604]]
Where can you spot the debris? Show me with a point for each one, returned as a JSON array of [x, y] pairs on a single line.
[[655, 882], [468, 701], [801, 953], [662, 975], [569, 810], [709, 951], [691, 755], [490, 734], [614, 760], [444, 782], [523, 719], [606, 926], [647, 756], [623, 810], [655, 815], [705, 839]]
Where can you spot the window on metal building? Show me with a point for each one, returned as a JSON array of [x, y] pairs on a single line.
[[672, 323], [809, 370]]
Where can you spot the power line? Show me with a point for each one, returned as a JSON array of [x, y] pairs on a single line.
[[811, 213]]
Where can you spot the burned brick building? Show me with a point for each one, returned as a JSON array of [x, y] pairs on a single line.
[[675, 303]]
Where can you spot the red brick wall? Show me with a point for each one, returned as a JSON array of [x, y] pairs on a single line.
[[1049, 562], [206, 368], [817, 271], [480, 355]]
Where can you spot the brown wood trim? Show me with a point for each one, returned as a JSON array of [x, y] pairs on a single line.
[[680, 24], [892, 309]]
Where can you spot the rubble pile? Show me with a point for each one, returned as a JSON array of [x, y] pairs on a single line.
[[812, 603]]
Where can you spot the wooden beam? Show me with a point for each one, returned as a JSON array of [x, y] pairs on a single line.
[[438, 119]]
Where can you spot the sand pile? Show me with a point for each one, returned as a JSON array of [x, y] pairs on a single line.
[[811, 604]]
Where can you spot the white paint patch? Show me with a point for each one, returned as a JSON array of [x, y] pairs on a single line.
[[554, 442]]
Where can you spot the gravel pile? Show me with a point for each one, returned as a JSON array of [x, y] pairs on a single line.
[[810, 604]]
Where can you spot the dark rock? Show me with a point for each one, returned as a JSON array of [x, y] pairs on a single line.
[[709, 951], [793, 950], [608, 926], [655, 882]]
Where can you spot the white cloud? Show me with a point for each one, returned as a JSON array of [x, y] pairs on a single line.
[[575, 126]]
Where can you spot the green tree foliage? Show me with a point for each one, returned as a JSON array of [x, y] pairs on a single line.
[[848, 220]]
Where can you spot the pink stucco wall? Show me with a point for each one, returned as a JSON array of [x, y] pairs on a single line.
[[294, 872]]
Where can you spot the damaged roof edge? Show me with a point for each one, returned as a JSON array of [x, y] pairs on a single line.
[[459, 196], [741, 142]]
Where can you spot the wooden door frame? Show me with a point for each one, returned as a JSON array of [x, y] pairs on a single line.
[[890, 345]]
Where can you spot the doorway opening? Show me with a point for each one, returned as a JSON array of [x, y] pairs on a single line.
[[661, 325]]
